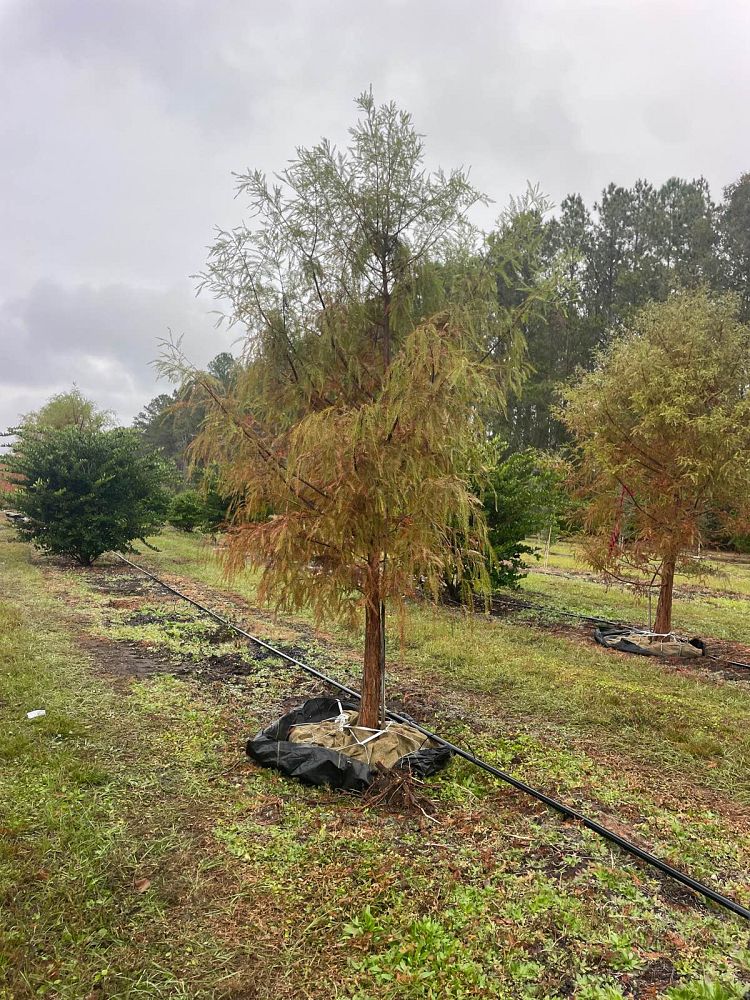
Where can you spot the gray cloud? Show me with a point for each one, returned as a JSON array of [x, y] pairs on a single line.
[[103, 339], [122, 120]]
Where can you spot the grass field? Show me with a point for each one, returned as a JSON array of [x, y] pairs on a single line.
[[723, 572], [714, 604], [143, 856]]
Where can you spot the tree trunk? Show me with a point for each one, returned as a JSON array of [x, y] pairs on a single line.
[[663, 622], [386, 321], [372, 677]]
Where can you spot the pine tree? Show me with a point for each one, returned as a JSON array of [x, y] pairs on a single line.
[[735, 241]]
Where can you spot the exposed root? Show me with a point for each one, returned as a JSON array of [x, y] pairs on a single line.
[[397, 789]]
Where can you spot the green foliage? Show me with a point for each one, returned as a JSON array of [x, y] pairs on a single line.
[[741, 543], [416, 959], [216, 505], [206, 507], [707, 989], [68, 409], [187, 510], [735, 241], [224, 368], [169, 424], [85, 492], [634, 245], [521, 495]]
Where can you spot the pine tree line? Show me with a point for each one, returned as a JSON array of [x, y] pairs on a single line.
[[633, 246]]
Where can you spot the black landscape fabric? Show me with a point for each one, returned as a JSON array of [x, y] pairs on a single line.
[[316, 765]]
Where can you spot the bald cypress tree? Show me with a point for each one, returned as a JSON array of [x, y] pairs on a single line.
[[373, 340], [663, 428]]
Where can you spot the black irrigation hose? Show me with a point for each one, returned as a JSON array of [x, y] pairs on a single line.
[[521, 786], [729, 663]]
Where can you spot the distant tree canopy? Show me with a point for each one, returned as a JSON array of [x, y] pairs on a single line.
[[521, 495], [86, 490], [68, 409], [168, 427], [662, 425], [734, 242], [169, 423], [606, 260], [375, 340], [636, 245]]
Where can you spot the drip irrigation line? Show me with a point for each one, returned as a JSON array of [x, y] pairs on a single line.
[[606, 621], [241, 631], [730, 663], [570, 813]]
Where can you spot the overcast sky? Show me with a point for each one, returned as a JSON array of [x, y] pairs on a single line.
[[121, 121]]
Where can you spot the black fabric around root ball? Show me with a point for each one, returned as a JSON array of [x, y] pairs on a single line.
[[315, 765]]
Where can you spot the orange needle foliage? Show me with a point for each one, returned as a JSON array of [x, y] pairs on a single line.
[[374, 341]]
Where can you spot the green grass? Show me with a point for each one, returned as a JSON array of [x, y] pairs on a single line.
[[263, 888], [85, 813], [193, 555], [702, 615], [568, 688], [575, 705], [713, 616], [723, 571]]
